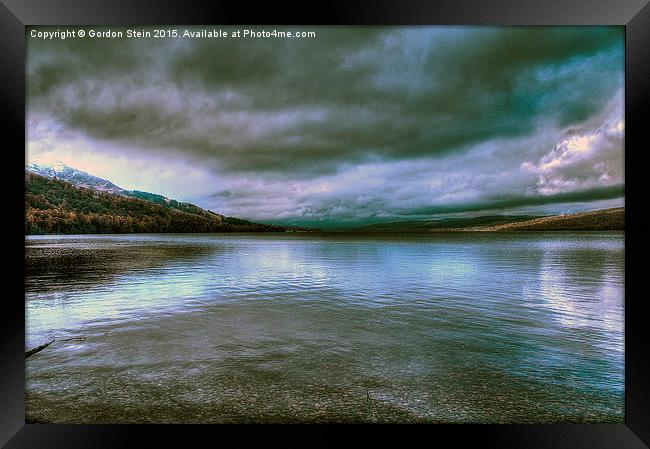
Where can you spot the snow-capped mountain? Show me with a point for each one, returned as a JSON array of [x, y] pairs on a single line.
[[79, 178], [53, 207]]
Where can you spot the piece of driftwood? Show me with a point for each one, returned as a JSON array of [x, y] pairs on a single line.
[[43, 346], [72, 339], [38, 348]]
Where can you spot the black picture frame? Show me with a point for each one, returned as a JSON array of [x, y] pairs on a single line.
[[634, 15]]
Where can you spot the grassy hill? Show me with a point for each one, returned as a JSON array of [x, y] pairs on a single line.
[[58, 207], [444, 223], [607, 219]]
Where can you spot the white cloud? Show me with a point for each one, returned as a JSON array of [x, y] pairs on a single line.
[[586, 157]]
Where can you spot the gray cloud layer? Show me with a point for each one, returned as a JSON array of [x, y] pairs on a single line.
[[458, 109]]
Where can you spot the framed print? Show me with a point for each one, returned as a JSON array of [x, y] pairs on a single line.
[[352, 218]]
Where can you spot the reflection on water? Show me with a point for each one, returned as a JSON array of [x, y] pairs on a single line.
[[284, 328]]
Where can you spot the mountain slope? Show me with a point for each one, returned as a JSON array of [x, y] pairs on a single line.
[[59, 170], [79, 178], [444, 223], [606, 219], [53, 206], [173, 204]]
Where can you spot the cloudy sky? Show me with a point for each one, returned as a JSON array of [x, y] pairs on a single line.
[[353, 126]]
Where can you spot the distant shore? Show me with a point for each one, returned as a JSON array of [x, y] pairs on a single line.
[[599, 220]]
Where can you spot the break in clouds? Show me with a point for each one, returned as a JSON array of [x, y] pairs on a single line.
[[355, 125]]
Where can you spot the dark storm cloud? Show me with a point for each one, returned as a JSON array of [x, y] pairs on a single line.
[[346, 96], [444, 119]]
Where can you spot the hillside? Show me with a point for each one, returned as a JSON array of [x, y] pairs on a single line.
[[444, 223], [606, 219], [62, 172], [74, 176], [53, 206]]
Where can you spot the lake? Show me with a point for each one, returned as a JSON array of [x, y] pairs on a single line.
[[457, 327]]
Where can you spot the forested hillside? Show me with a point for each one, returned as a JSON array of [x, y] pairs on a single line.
[[58, 207]]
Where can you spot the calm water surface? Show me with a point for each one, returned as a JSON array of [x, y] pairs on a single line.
[[306, 327]]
